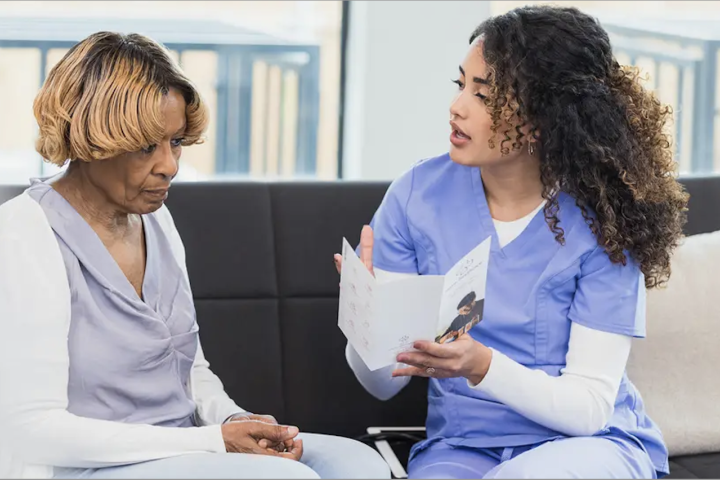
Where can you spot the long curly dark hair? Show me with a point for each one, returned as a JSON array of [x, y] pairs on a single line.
[[600, 135]]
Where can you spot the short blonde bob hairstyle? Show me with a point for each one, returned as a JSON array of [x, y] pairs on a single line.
[[104, 98]]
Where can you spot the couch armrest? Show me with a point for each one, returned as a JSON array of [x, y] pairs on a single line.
[[381, 438]]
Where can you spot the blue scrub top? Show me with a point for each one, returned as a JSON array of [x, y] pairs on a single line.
[[435, 214]]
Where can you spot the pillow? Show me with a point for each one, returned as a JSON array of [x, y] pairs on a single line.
[[677, 367]]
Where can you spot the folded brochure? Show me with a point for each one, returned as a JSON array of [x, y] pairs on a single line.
[[383, 319]]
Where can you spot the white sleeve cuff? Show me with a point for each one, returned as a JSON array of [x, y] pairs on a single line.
[[499, 375]]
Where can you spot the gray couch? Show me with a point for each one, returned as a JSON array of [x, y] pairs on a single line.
[[259, 259]]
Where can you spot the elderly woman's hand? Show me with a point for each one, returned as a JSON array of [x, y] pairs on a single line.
[[253, 436], [264, 443]]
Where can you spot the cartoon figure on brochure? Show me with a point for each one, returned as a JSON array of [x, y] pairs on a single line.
[[470, 312]]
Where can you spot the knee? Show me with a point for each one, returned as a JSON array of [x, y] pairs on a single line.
[[353, 459], [518, 470], [363, 461], [285, 468], [431, 472]]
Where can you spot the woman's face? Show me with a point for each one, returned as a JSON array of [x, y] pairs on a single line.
[[138, 182], [470, 122]]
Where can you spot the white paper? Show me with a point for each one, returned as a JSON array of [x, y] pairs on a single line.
[[382, 320]]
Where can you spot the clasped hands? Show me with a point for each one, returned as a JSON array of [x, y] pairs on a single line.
[[261, 434]]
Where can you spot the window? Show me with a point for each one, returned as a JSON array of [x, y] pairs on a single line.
[[676, 44], [269, 71]]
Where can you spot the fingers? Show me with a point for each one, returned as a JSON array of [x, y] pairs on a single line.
[[273, 433], [337, 258], [278, 446], [410, 372], [295, 452], [439, 350], [422, 360], [366, 247]]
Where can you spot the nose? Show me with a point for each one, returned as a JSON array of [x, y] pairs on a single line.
[[167, 162], [457, 106]]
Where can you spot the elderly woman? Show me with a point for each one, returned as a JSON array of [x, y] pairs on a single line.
[[101, 370]]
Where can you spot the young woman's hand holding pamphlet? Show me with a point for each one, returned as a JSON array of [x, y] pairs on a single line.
[[413, 319]]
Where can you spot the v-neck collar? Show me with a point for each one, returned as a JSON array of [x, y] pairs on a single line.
[[517, 245], [74, 230]]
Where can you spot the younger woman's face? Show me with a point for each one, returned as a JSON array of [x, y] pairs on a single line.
[[470, 121]]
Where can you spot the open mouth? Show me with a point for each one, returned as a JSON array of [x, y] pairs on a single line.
[[458, 136]]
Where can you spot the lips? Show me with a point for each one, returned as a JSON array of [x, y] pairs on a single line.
[[459, 131], [157, 192]]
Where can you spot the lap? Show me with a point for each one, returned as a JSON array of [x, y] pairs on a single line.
[[324, 456], [339, 457], [578, 457], [200, 466], [444, 461]]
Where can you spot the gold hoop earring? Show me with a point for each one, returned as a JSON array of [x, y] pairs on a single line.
[[531, 148]]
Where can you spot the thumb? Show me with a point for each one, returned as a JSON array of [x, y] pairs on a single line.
[[367, 241], [276, 433], [337, 258]]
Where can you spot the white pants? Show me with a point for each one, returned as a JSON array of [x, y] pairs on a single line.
[[324, 456]]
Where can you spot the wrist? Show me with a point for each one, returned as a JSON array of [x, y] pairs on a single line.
[[481, 365], [237, 417]]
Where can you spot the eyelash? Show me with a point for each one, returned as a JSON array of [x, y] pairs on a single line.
[[461, 85], [175, 142]]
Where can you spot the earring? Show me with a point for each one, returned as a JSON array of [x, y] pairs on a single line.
[[531, 148]]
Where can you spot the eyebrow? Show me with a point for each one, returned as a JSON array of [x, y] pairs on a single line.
[[482, 81]]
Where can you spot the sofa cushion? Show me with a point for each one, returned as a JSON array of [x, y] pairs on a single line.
[[695, 466], [673, 368]]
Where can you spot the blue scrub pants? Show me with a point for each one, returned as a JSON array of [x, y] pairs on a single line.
[[324, 456], [577, 457]]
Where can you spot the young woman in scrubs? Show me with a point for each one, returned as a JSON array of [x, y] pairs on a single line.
[[559, 154]]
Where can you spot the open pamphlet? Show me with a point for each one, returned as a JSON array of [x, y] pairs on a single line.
[[381, 320]]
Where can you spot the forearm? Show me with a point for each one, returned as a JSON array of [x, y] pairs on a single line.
[[578, 402], [379, 383], [564, 404], [58, 438], [214, 406]]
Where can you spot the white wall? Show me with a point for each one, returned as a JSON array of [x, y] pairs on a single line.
[[401, 58]]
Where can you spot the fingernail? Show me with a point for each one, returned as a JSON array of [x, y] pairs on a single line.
[[293, 430]]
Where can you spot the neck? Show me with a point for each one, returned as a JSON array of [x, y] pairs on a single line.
[[91, 202], [513, 189]]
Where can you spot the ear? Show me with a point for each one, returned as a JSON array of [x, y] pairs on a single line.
[[535, 132]]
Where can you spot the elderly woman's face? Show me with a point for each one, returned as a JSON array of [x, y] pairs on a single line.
[[138, 182]]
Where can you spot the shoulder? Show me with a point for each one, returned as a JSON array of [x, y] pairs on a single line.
[[29, 250], [23, 218], [576, 231], [426, 174], [167, 225]]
